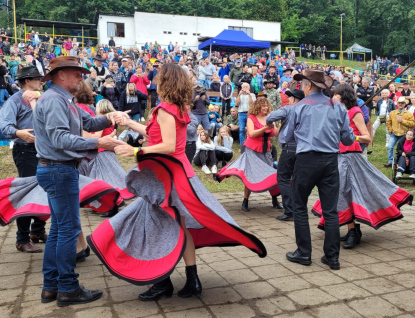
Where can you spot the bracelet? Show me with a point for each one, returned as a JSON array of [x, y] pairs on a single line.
[[357, 138], [136, 151], [38, 94]]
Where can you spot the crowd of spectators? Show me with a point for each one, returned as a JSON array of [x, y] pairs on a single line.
[[225, 85]]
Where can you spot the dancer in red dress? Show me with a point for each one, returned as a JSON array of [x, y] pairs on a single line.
[[254, 166], [174, 213], [365, 194]]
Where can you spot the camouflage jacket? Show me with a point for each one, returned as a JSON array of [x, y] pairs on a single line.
[[274, 98]]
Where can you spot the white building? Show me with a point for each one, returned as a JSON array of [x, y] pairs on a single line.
[[136, 29]]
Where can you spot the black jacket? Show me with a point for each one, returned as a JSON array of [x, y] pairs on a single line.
[[364, 93], [215, 87], [3, 82], [135, 105], [399, 149], [243, 78]]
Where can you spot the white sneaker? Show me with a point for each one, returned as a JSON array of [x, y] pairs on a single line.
[[214, 169], [399, 175], [206, 170], [412, 176], [143, 119]]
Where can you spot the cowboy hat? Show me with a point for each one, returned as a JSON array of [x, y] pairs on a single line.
[[62, 62], [316, 77], [30, 71], [401, 99], [98, 57], [261, 94], [297, 93], [288, 69]]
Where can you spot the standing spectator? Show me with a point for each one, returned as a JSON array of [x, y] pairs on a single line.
[[13, 64], [273, 95], [101, 70], [394, 94], [226, 95], [405, 92], [152, 91], [170, 47], [140, 80], [68, 45], [244, 77], [110, 92], [365, 92], [224, 71], [223, 147], [38, 62], [118, 77], [111, 42], [244, 101], [398, 123], [210, 70], [200, 102], [74, 51], [257, 82], [272, 76], [323, 53], [184, 48], [176, 48]]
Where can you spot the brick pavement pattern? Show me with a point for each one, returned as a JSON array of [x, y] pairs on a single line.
[[376, 279]]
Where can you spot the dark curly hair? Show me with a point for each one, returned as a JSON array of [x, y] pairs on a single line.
[[347, 95], [174, 86], [84, 95]]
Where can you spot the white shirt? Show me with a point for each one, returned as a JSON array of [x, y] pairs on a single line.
[[383, 108], [244, 102], [411, 109]]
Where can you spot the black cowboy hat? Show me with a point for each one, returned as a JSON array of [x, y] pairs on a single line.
[[98, 58], [288, 69], [28, 72], [297, 93]]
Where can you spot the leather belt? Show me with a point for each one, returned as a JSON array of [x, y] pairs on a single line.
[[43, 161]]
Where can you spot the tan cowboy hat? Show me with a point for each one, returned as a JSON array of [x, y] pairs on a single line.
[[402, 99], [62, 62], [262, 94], [317, 77]]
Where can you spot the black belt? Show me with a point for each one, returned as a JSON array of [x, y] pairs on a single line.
[[43, 161]]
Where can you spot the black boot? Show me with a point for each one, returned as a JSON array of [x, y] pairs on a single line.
[[110, 213], [158, 290], [275, 203], [352, 240], [245, 205], [359, 232], [193, 286]]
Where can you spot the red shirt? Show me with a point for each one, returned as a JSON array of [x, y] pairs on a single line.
[[259, 143], [355, 147]]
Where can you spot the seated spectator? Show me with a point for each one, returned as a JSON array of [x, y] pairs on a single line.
[[406, 155], [205, 153], [284, 98], [134, 100], [232, 121], [257, 82], [223, 147], [215, 85], [215, 120], [110, 92]]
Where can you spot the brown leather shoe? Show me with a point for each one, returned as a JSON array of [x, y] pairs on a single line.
[[48, 296], [28, 248], [37, 238]]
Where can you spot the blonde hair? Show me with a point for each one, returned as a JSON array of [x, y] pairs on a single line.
[[104, 106], [128, 88], [220, 140]]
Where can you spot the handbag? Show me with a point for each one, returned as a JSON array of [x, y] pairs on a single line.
[[382, 119]]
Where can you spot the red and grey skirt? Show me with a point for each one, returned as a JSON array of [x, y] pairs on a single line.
[[143, 243]]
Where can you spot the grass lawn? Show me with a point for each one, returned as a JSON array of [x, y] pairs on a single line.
[[378, 158], [346, 63]]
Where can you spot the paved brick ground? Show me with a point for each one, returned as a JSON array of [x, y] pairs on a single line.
[[377, 279]]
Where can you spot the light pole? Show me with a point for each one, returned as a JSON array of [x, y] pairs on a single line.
[[341, 38], [14, 21]]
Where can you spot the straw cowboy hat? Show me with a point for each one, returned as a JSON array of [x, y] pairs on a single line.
[[316, 77], [62, 62]]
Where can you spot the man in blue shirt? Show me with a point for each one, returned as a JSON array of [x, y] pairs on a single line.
[[318, 124], [170, 47]]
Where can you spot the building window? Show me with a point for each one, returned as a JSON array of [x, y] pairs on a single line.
[[249, 31], [116, 29], [169, 32]]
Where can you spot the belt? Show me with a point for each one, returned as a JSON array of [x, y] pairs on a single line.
[[43, 161], [243, 112], [190, 142]]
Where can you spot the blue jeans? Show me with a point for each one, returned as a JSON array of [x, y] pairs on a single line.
[[242, 124], [3, 93], [392, 142], [203, 120], [61, 183], [135, 117]]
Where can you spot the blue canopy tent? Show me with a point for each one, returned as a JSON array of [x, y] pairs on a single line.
[[232, 41]]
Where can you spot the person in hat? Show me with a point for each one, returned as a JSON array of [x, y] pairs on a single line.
[[272, 94], [398, 123], [101, 70], [58, 124], [288, 154], [236, 70], [405, 91], [16, 124], [287, 75], [272, 76], [317, 124]]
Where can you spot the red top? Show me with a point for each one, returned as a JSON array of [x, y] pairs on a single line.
[[87, 109], [355, 147], [395, 98], [155, 138], [140, 83], [262, 142], [106, 132]]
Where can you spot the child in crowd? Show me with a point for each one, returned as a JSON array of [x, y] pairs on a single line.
[[215, 120], [223, 147], [226, 94], [205, 153]]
